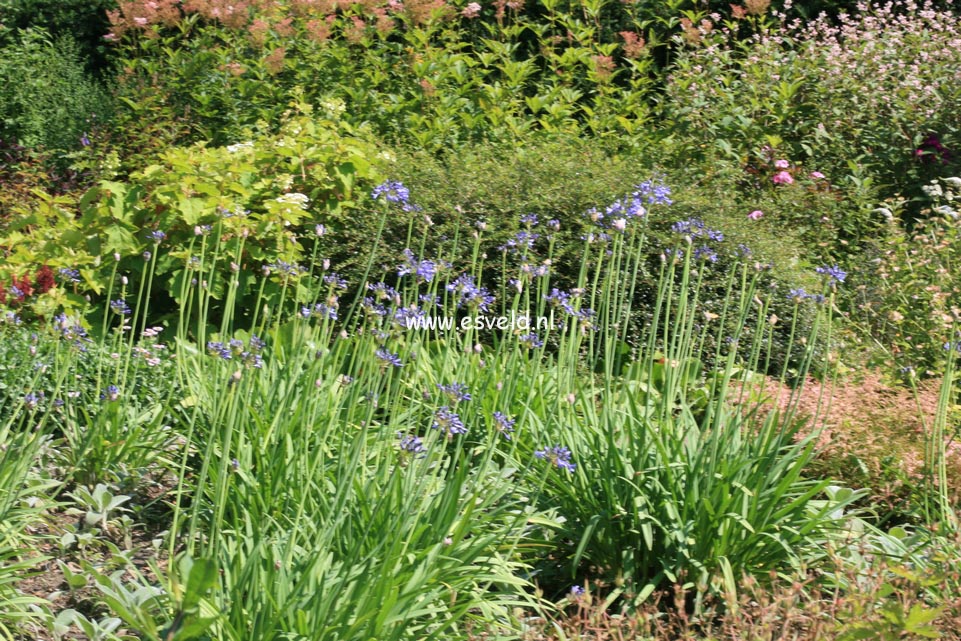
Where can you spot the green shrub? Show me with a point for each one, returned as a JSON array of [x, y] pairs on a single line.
[[83, 21], [249, 200], [47, 100], [565, 179], [427, 72]]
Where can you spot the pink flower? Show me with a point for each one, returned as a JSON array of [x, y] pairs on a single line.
[[782, 164], [757, 214], [817, 175], [783, 178], [471, 10]]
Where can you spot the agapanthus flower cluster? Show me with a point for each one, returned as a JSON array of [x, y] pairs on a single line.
[[319, 310], [120, 307], [394, 191], [408, 317], [618, 213], [455, 392], [235, 349], [69, 275], [469, 294], [388, 358], [382, 291], [705, 253], [558, 456], [535, 271], [70, 329], [564, 300], [411, 445], [446, 420], [834, 273], [335, 282], [429, 300], [799, 295], [596, 237], [284, 268], [372, 307], [654, 191], [504, 424], [695, 228], [530, 341], [423, 270], [31, 400], [559, 298], [521, 241]]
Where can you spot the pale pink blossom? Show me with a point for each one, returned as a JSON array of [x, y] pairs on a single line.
[[817, 175], [471, 11], [757, 214], [783, 178], [782, 164]]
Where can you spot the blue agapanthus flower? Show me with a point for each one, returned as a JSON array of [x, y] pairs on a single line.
[[423, 270], [120, 307], [705, 253], [393, 191], [504, 424], [655, 192], [456, 392], [446, 420], [558, 456], [470, 294], [834, 274], [70, 275], [388, 358], [412, 445]]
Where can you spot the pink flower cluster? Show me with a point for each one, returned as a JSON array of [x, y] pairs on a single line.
[[783, 178]]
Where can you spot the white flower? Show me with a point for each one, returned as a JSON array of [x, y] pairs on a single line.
[[953, 181], [239, 146], [933, 190], [294, 198]]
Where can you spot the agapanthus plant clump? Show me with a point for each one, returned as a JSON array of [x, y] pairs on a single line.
[[323, 438]]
